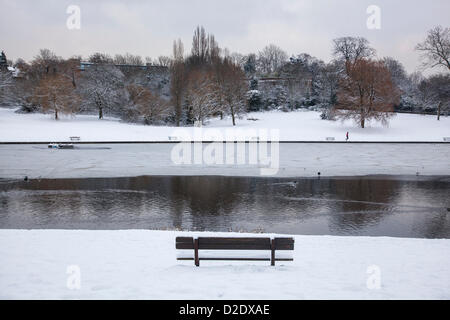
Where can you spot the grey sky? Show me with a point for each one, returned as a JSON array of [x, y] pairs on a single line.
[[148, 28]]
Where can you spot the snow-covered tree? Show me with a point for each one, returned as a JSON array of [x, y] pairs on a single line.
[[6, 87], [274, 94], [102, 88], [397, 71], [435, 93], [202, 95], [330, 76], [6, 79], [250, 64], [254, 100]]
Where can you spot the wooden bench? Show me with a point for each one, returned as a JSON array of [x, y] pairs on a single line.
[[215, 243]]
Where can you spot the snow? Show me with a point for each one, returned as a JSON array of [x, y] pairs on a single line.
[[15, 71], [296, 125], [141, 264]]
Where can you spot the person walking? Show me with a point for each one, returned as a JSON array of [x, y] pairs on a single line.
[[346, 136]]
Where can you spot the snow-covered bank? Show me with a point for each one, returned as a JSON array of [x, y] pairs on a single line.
[[138, 264], [293, 126], [295, 160]]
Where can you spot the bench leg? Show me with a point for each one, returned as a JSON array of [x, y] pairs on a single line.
[[272, 256], [197, 260]]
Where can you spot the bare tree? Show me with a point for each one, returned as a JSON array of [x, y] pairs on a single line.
[[56, 93], [70, 69], [178, 50], [271, 58], [164, 61], [199, 44], [149, 61], [436, 48], [45, 62], [128, 59], [101, 58], [151, 107], [178, 79], [352, 49], [367, 93], [232, 89], [238, 59], [204, 47]]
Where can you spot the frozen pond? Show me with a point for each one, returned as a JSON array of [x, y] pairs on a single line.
[[368, 206], [294, 160]]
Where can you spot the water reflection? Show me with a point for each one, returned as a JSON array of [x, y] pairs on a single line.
[[340, 206]]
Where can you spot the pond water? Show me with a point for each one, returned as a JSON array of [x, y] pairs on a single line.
[[367, 206]]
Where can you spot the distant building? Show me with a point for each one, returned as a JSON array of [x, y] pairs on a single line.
[[84, 65], [3, 62]]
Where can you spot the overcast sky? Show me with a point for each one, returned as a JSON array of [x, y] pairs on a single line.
[[148, 28]]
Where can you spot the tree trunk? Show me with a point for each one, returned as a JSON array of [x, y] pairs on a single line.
[[178, 113], [100, 113], [439, 111], [363, 121], [56, 114], [232, 114], [73, 79]]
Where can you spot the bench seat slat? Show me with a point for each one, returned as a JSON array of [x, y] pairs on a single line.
[[284, 247], [284, 240], [284, 243], [234, 243], [184, 243], [220, 246], [237, 259]]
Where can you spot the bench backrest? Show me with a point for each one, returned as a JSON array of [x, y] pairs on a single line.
[[218, 243]]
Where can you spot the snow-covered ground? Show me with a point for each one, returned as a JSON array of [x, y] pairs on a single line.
[[139, 264], [298, 125], [295, 160]]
